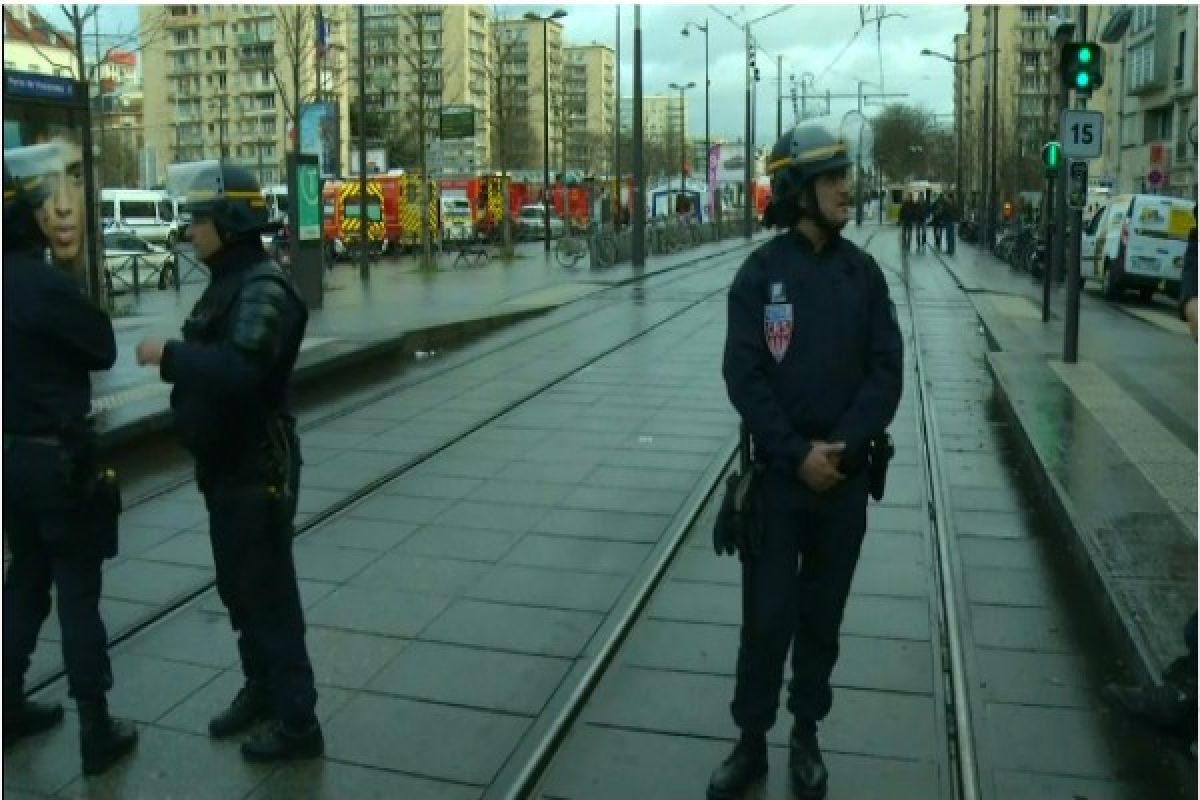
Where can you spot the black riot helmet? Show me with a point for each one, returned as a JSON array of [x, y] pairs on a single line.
[[229, 196], [796, 160], [29, 174]]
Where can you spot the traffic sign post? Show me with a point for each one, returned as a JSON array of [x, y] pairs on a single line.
[[304, 221], [1081, 133]]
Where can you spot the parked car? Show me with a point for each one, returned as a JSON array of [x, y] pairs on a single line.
[[531, 223], [1138, 242], [123, 250]]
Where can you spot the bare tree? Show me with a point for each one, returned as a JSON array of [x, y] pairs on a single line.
[[510, 124]]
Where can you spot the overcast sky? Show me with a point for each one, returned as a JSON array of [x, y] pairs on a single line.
[[818, 39]]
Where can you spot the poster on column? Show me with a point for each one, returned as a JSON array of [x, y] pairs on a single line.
[[319, 135]]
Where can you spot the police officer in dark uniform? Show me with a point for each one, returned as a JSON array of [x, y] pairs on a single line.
[[231, 373], [60, 512], [813, 363]]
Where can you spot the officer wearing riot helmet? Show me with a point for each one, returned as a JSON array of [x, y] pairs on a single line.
[[813, 364], [229, 400], [60, 506]]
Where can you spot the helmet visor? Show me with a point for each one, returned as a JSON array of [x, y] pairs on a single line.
[[32, 170]]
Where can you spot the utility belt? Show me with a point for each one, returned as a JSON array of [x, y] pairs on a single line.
[[61, 477], [268, 466]]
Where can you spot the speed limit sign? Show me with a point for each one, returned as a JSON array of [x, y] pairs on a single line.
[[1081, 133]]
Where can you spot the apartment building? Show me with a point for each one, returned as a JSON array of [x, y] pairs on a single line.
[[519, 46], [1150, 102], [589, 94], [219, 81], [661, 115], [420, 60]]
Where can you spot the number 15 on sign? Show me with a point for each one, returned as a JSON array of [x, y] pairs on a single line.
[[1081, 133]]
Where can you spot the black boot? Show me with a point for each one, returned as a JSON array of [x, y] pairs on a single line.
[[251, 705], [744, 767], [809, 776], [102, 739], [283, 742], [24, 717]]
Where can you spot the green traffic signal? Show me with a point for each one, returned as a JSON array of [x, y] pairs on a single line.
[[1051, 157], [1082, 66], [1085, 55], [1082, 80]]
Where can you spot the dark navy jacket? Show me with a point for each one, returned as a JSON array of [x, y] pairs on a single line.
[[54, 335], [812, 349], [232, 369]]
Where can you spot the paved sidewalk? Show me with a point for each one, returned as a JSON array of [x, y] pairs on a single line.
[[362, 319], [1113, 438]]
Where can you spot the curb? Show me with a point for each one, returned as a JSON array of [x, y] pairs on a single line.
[[436, 337]]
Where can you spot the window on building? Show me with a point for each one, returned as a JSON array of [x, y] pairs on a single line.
[[1029, 15], [1141, 66], [1143, 17], [1158, 124], [1031, 60]]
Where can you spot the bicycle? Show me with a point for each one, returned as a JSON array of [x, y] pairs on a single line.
[[570, 249], [604, 249]]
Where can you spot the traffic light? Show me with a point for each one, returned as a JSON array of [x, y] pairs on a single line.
[[1082, 66], [1052, 158]]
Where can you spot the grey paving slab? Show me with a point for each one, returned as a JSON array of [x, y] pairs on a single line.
[[465, 543], [701, 565], [1035, 679], [364, 534], [982, 551], [378, 610], [329, 563], [491, 516], [192, 715], [133, 539], [521, 629], [578, 554], [513, 682], [887, 617], [682, 647], [893, 579], [882, 545], [1051, 740], [889, 665], [521, 493], [427, 485], [332, 780], [1009, 587], [118, 616], [400, 508], [1013, 628], [1000, 524], [177, 510], [153, 583], [174, 764], [697, 602], [1013, 785], [883, 518], [654, 480], [603, 524], [416, 573], [529, 586], [188, 548], [348, 659], [398, 734], [628, 500], [568, 473], [193, 636]]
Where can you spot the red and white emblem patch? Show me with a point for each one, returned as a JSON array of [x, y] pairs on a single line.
[[777, 324]]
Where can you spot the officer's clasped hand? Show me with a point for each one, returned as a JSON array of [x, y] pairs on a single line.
[[150, 351], [819, 471]]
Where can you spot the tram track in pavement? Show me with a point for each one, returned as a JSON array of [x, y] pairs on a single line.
[[376, 486]]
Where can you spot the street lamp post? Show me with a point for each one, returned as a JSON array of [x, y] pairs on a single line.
[[681, 88], [219, 103], [530, 15], [707, 141], [958, 63]]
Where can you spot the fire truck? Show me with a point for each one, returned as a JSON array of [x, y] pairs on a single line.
[[393, 214]]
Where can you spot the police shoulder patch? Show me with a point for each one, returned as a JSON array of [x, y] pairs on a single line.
[[777, 326]]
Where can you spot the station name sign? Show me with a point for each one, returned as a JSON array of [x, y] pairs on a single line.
[[29, 84]]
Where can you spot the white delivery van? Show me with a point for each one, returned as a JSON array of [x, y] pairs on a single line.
[[456, 219], [151, 214], [1137, 243]]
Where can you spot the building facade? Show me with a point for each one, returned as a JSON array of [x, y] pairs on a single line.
[[589, 93], [31, 44], [221, 81], [520, 45], [661, 115]]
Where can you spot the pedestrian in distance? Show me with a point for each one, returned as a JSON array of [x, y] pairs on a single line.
[[906, 222], [813, 363], [230, 376], [920, 218], [1170, 706], [950, 220], [60, 505], [938, 217]]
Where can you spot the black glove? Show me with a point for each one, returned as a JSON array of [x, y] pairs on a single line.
[[739, 524]]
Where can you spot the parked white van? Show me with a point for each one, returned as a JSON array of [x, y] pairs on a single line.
[[1137, 243], [151, 214]]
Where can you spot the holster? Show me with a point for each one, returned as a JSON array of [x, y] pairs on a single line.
[[879, 455], [739, 523], [280, 456]]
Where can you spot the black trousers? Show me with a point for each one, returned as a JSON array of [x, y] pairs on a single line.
[[256, 580], [795, 592], [50, 538]]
